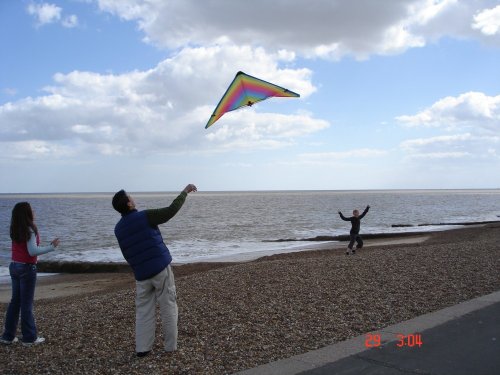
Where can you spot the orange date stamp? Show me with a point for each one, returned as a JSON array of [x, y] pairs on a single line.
[[374, 340]]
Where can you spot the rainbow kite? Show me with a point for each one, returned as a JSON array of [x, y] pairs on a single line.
[[246, 90]]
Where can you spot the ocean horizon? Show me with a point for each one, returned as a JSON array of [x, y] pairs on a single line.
[[245, 191]]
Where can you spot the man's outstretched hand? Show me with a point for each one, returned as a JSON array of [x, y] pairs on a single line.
[[190, 188]]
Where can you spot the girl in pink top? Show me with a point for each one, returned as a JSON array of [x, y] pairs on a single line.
[[25, 249]]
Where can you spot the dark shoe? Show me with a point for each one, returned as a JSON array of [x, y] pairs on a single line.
[[143, 354], [353, 251]]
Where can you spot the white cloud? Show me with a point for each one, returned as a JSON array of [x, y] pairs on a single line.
[[70, 21], [433, 20], [46, 13], [474, 110], [246, 129], [488, 21], [475, 113], [425, 11], [465, 146], [328, 29], [163, 109], [445, 139], [35, 150]]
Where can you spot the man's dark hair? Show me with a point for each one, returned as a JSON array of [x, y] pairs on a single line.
[[120, 202]]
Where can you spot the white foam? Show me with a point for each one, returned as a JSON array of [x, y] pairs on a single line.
[[184, 252], [109, 255]]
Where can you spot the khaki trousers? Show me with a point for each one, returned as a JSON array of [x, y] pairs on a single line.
[[161, 289]]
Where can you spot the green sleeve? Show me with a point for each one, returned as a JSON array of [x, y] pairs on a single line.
[[162, 215]]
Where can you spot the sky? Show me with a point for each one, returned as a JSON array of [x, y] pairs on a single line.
[[99, 95]]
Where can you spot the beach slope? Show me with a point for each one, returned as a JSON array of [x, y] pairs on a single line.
[[241, 315]]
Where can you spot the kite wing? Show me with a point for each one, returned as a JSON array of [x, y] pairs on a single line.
[[246, 90]]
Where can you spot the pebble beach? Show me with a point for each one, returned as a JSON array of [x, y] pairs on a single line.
[[239, 315]]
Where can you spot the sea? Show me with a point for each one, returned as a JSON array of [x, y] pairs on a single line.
[[214, 225]]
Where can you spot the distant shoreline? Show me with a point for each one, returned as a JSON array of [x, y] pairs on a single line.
[[107, 193]]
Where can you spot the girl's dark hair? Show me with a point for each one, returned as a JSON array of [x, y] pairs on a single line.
[[21, 222]]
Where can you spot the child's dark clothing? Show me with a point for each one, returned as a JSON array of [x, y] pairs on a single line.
[[356, 225]]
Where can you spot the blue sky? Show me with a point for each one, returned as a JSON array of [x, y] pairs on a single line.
[[96, 95]]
